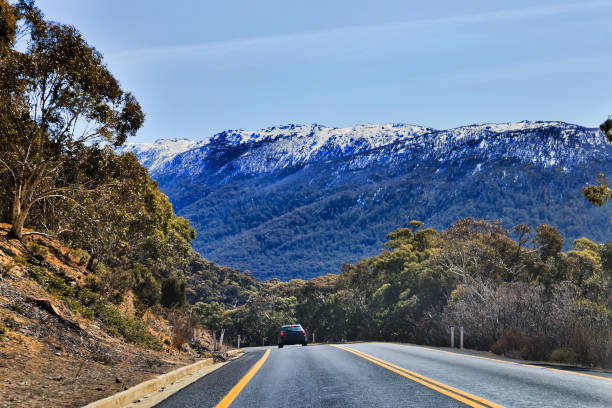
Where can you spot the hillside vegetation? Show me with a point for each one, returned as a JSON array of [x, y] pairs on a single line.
[[515, 293], [63, 344]]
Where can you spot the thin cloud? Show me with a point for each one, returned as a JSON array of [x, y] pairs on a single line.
[[499, 15]]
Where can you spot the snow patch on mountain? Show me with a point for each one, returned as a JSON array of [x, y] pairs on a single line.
[[272, 149], [154, 155]]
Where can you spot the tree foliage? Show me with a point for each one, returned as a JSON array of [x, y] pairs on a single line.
[[62, 113], [600, 193], [514, 292], [59, 100]]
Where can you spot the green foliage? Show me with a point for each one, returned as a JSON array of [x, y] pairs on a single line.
[[93, 305], [173, 292], [8, 26], [512, 298], [59, 105], [549, 241], [599, 194], [146, 287], [102, 359], [209, 283], [37, 251], [606, 128], [563, 355]]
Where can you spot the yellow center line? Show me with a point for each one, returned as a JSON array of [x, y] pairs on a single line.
[[449, 391], [512, 362], [233, 393], [430, 380]]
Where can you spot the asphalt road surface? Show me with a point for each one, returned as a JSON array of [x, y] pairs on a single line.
[[389, 375]]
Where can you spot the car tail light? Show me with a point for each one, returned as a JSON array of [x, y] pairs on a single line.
[[303, 332], [282, 333]]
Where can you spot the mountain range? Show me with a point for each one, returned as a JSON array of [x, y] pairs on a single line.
[[296, 201]]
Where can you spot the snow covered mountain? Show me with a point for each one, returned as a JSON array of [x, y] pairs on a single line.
[[277, 148], [320, 196]]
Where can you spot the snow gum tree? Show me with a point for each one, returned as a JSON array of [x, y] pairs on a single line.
[[57, 99]]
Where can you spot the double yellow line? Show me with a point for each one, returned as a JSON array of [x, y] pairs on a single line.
[[462, 396]]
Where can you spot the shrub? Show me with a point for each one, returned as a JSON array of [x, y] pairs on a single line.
[[81, 255], [93, 305], [173, 292], [518, 344], [496, 349], [113, 282], [592, 346], [20, 260], [563, 355], [534, 348], [38, 251], [510, 342], [102, 359], [181, 330], [2, 331], [10, 321], [146, 287], [130, 328]]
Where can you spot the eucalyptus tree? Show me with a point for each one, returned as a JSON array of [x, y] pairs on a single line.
[[58, 100], [600, 193]]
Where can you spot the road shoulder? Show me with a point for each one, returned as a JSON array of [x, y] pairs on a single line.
[[152, 392]]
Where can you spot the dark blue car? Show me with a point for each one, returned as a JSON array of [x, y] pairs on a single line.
[[292, 334]]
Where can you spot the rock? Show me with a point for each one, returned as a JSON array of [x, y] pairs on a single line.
[[55, 378]]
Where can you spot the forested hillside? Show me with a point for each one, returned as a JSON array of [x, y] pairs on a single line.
[[318, 197], [521, 297], [62, 112], [93, 260]]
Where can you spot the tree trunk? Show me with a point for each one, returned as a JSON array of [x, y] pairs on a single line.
[[90, 263], [18, 217], [17, 227]]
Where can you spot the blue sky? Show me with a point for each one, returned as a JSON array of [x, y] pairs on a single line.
[[199, 67]]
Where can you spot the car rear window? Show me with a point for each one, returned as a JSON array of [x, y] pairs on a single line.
[[294, 328]]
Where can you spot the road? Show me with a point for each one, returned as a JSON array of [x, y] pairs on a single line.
[[389, 375]]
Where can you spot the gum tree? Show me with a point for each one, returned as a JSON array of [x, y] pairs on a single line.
[[57, 99], [601, 193]]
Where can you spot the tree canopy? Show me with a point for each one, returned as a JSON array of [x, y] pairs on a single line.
[[59, 100]]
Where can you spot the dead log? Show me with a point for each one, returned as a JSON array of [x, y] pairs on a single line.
[[48, 306]]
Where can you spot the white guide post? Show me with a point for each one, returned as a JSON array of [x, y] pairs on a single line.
[[221, 340]]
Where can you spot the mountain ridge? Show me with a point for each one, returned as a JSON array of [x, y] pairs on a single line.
[[256, 196]]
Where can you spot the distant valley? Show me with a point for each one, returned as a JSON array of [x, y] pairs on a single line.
[[297, 201]]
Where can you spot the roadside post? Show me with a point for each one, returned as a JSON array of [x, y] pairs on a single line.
[[214, 340], [452, 336], [221, 340], [313, 337], [461, 337], [238, 341]]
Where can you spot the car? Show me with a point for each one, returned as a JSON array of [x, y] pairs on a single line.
[[292, 334]]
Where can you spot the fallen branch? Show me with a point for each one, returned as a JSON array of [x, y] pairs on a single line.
[[36, 233], [48, 306]]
